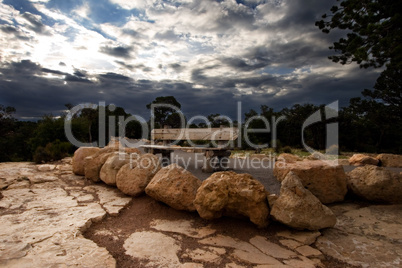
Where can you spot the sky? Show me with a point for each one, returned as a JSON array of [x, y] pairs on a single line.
[[209, 55]]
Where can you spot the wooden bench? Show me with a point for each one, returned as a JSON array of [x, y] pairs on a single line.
[[223, 137]]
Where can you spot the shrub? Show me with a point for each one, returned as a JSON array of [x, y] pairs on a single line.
[[41, 156], [53, 151], [278, 147], [287, 150]]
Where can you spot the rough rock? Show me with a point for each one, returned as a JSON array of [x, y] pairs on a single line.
[[271, 199], [362, 159], [298, 208], [111, 199], [79, 156], [43, 221], [271, 249], [174, 186], [226, 193], [326, 182], [132, 151], [184, 227], [390, 160], [376, 184], [289, 158], [93, 165], [243, 250], [112, 166], [46, 167], [209, 254], [343, 162], [369, 236], [159, 249], [316, 156], [309, 252], [133, 177], [303, 237]]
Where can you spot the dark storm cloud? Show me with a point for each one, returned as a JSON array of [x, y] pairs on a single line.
[[46, 70], [176, 66], [125, 65], [11, 30], [119, 51], [79, 73], [75, 78], [35, 95], [114, 76], [36, 24], [8, 29], [242, 65]]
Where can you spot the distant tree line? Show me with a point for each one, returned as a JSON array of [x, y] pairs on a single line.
[[364, 126], [45, 140]]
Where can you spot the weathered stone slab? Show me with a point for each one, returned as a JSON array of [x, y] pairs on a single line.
[[159, 249], [369, 236], [182, 227]]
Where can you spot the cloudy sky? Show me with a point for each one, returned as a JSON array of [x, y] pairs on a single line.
[[208, 54]]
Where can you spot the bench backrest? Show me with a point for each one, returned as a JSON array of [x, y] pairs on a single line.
[[207, 134]]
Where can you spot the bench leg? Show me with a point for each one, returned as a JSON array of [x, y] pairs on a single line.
[[166, 158], [208, 165]]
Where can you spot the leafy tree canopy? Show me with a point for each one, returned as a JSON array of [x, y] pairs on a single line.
[[374, 35], [165, 115]]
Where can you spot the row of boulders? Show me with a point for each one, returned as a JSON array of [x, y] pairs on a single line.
[[222, 194], [329, 183]]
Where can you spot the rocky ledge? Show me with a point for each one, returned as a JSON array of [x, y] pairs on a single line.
[[44, 211]]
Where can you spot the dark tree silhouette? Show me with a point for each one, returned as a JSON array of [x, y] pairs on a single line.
[[164, 115]]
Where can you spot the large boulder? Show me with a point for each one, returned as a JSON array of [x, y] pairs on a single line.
[[289, 158], [112, 166], [362, 159], [376, 184], [228, 193], [93, 165], [174, 186], [79, 156], [390, 160], [132, 150], [326, 182], [298, 208], [133, 177]]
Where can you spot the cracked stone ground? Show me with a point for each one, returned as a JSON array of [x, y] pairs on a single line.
[[52, 218]]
